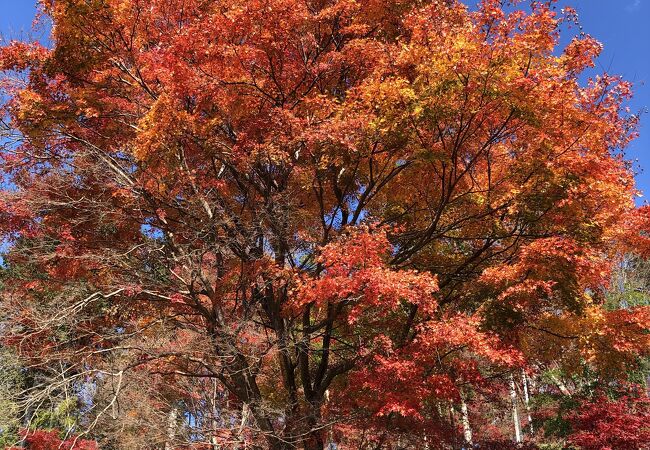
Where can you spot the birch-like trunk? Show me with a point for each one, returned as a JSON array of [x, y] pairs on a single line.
[[171, 428], [464, 417], [245, 411], [560, 384], [215, 421], [515, 412], [524, 379]]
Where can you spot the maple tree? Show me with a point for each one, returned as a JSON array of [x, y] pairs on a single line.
[[299, 222], [49, 440], [606, 424]]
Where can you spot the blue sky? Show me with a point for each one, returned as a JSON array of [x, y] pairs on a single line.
[[623, 26]]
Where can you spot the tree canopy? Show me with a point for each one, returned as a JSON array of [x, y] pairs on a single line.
[[291, 223]]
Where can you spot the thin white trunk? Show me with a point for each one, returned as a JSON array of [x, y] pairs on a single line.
[[464, 416], [527, 401], [560, 384], [452, 421], [515, 413], [171, 428], [215, 424], [244, 419]]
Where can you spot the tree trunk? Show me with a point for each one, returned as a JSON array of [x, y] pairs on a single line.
[[515, 413], [314, 443], [264, 424], [215, 422], [452, 422], [524, 379], [467, 430], [314, 439], [560, 384], [171, 428]]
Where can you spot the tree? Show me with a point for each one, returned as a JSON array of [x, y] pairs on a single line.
[[10, 382], [302, 221], [614, 424], [49, 440]]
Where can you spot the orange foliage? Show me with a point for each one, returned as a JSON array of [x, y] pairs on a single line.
[[383, 202]]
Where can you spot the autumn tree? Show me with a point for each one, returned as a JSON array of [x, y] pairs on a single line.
[[298, 222], [10, 383]]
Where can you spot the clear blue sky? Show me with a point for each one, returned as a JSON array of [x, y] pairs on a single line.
[[623, 26]]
